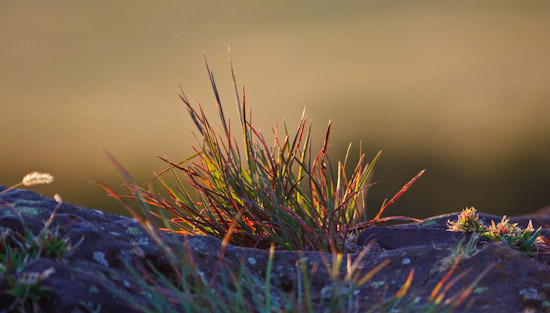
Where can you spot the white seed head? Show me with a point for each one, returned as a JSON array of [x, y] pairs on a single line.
[[36, 178]]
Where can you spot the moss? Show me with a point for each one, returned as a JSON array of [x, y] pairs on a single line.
[[428, 223], [377, 284], [134, 231], [480, 290], [28, 210], [28, 202]]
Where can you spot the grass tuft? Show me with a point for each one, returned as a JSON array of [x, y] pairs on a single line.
[[527, 240], [264, 193]]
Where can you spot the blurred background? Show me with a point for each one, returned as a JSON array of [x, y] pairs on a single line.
[[460, 89]]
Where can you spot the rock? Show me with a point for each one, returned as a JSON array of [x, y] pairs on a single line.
[[93, 277]]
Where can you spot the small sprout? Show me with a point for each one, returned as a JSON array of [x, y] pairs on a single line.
[[461, 251], [27, 290], [468, 222], [53, 246]]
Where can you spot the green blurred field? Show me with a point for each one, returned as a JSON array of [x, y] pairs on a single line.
[[461, 89]]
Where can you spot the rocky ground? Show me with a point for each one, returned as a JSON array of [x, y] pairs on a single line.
[[85, 279]]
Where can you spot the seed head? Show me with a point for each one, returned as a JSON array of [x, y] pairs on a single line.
[[36, 178]]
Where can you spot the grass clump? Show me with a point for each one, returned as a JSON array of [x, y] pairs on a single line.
[[527, 240], [263, 193]]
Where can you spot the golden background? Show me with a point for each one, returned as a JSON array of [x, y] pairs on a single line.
[[460, 89]]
